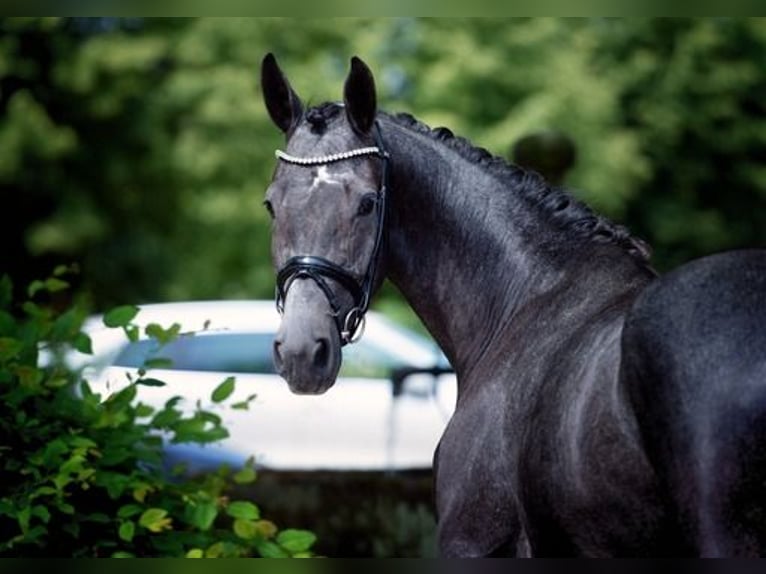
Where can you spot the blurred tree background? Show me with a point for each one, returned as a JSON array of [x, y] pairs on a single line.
[[140, 148]]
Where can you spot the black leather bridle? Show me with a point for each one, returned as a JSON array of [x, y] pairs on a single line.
[[319, 269]]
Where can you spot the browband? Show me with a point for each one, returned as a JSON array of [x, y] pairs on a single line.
[[324, 159]]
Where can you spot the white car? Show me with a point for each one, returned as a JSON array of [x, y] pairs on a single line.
[[365, 422]]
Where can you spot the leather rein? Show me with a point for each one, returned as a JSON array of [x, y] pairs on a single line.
[[319, 269]]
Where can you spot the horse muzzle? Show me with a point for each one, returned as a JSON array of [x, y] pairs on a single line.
[[307, 345]]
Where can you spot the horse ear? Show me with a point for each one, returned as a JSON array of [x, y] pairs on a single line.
[[359, 96], [282, 103]]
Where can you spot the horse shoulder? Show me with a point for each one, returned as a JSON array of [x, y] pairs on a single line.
[[475, 480], [587, 486]]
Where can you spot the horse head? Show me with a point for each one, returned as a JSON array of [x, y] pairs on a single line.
[[326, 200]]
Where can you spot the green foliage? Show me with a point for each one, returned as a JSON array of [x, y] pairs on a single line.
[[82, 473], [141, 147], [666, 114], [690, 89]]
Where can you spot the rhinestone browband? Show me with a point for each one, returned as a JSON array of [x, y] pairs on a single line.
[[323, 159]]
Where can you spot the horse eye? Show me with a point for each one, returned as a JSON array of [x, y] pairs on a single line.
[[269, 208], [367, 204]]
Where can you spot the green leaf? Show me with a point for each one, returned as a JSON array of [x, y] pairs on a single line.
[[53, 285], [197, 431], [140, 491], [195, 553], [209, 417], [34, 533], [23, 516], [85, 389], [73, 464], [54, 450], [244, 405], [166, 418], [129, 510], [83, 343], [155, 519], [43, 491], [132, 332], [268, 549], [127, 531], [143, 410], [201, 514], [82, 442], [123, 397], [215, 550], [120, 316], [56, 383], [60, 481], [149, 382], [173, 401], [155, 331], [123, 554], [296, 540], [266, 528], [245, 476], [42, 513], [162, 335], [245, 529], [61, 270], [34, 287], [224, 390], [244, 510]]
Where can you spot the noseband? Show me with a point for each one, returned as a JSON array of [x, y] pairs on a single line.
[[319, 269]]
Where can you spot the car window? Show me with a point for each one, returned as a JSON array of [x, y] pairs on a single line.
[[245, 353], [227, 352]]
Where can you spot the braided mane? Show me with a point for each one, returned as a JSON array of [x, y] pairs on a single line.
[[561, 207]]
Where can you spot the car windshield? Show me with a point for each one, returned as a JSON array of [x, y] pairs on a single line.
[[245, 353]]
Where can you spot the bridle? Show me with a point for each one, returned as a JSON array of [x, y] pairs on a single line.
[[319, 269]]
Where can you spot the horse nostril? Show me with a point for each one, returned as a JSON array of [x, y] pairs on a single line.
[[321, 354], [277, 355]]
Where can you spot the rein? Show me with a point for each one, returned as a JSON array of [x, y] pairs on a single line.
[[318, 269]]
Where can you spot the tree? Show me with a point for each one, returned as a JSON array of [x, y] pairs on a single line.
[[692, 91], [141, 149]]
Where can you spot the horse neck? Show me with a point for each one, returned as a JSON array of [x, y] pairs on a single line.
[[462, 248]]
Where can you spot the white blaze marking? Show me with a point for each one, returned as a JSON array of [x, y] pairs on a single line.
[[323, 176]]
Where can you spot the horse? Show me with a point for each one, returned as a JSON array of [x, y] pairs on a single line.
[[602, 409]]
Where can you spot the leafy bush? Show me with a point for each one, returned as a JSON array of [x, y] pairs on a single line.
[[82, 474]]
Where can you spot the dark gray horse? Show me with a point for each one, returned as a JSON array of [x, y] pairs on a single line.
[[601, 410]]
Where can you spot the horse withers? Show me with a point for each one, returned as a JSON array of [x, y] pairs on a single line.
[[601, 411]]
